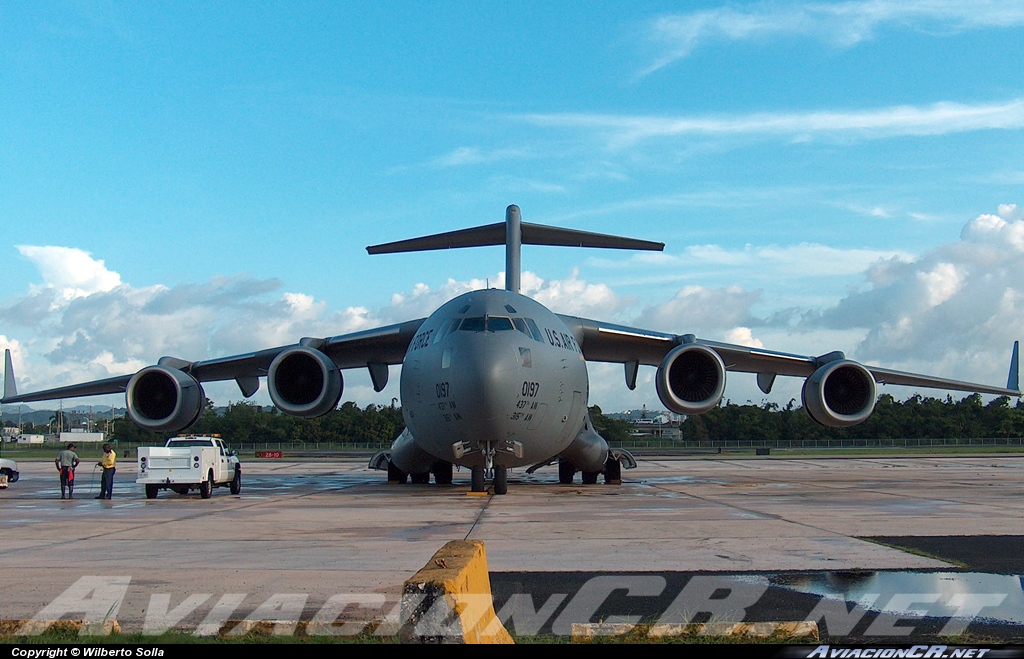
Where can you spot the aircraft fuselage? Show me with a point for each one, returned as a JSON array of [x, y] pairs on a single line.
[[494, 371]]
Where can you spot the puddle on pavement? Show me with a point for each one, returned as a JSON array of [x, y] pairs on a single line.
[[932, 594]]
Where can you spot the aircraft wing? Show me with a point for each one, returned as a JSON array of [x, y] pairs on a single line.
[[607, 342], [374, 348]]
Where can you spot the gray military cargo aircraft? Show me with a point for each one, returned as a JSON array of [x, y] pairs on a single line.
[[494, 380]]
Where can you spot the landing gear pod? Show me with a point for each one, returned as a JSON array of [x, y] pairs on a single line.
[[839, 394], [304, 382], [691, 379], [164, 399]]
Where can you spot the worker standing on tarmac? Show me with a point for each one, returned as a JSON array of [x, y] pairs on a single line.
[[66, 462], [107, 477]]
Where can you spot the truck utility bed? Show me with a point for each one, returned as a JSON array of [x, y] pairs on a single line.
[[189, 463]]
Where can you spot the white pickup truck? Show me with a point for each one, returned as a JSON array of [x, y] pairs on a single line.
[[189, 463]]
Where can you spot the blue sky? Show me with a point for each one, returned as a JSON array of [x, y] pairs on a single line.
[[203, 179]]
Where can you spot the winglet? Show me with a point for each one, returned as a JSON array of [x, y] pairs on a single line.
[[10, 386], [1013, 382]]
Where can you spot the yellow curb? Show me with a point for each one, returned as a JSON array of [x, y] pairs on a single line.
[[449, 600]]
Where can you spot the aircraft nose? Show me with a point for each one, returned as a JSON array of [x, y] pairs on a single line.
[[489, 373]]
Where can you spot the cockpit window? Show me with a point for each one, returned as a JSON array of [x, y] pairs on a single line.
[[444, 329], [534, 330], [499, 324], [475, 324]]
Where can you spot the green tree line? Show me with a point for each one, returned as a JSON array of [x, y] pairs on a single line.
[[248, 422], [915, 418]]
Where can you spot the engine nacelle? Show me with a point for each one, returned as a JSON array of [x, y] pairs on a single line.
[[304, 382], [164, 399], [839, 394], [691, 379]]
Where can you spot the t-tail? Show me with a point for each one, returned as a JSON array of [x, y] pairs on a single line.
[[513, 233]]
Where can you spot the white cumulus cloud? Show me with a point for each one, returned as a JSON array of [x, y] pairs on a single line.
[[70, 271]]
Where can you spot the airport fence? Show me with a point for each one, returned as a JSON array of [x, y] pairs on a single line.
[[951, 442], [639, 444]]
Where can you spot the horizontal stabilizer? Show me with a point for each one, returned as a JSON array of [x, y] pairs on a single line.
[[532, 234], [491, 234], [540, 234]]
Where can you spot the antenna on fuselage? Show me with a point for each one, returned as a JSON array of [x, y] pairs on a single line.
[[514, 233]]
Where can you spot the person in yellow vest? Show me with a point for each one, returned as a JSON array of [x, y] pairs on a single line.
[[107, 477]]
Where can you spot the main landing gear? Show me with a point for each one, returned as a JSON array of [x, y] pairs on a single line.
[[442, 474], [612, 470]]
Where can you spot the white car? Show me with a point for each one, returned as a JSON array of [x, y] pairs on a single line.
[[9, 468]]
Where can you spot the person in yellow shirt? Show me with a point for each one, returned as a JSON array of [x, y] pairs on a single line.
[[107, 477]]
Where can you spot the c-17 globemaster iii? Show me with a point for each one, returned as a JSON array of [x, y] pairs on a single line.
[[494, 380]]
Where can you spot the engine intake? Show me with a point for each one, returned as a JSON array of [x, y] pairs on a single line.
[[164, 399], [839, 394], [691, 379], [304, 382]]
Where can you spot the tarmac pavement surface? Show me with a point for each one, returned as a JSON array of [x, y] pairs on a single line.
[[332, 527]]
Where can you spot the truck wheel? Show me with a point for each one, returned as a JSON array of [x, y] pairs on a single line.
[[236, 482], [181, 490], [206, 487], [151, 491]]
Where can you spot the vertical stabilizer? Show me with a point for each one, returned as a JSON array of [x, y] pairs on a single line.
[[10, 386], [513, 247]]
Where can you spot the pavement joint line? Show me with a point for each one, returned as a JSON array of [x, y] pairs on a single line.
[[479, 516]]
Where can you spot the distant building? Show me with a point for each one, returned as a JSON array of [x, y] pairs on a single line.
[[79, 436]]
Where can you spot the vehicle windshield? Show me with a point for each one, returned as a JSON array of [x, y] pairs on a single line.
[[189, 442]]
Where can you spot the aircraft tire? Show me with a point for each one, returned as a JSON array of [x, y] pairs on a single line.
[[420, 479], [590, 477], [443, 473], [565, 472], [477, 474], [396, 475], [612, 472], [500, 479]]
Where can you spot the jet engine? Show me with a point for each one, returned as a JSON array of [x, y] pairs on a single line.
[[691, 379], [839, 394], [304, 382], [164, 399]]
